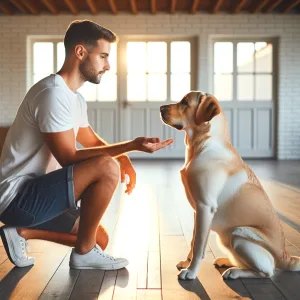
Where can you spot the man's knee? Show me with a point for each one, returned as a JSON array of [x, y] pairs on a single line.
[[108, 166]]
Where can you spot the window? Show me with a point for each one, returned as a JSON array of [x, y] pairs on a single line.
[[150, 72], [243, 70]]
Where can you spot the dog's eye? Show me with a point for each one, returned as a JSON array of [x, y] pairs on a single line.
[[184, 102]]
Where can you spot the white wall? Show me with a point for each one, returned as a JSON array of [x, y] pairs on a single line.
[[13, 54]]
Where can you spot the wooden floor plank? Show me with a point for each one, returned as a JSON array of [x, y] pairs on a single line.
[[87, 285], [108, 285], [35, 281], [62, 283], [262, 289], [154, 278], [146, 294]]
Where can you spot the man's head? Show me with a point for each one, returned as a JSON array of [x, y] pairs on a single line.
[[90, 44]]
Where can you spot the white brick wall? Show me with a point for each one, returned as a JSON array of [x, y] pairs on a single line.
[[14, 30]]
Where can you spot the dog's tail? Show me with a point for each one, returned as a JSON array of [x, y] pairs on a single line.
[[292, 263]]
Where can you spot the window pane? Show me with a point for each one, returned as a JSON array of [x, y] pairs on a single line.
[[157, 57], [263, 57], [263, 88], [136, 87], [136, 57], [223, 87], [60, 55], [107, 89], [180, 85], [43, 58], [37, 77], [223, 57], [113, 58], [157, 87], [245, 88], [180, 57], [88, 91], [245, 57]]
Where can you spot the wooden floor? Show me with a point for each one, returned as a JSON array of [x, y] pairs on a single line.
[[153, 229]]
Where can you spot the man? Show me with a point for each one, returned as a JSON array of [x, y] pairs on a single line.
[[39, 201]]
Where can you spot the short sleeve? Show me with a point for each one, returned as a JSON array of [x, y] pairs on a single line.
[[84, 122], [53, 111]]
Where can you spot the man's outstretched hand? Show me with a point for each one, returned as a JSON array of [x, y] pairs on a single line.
[[151, 145]]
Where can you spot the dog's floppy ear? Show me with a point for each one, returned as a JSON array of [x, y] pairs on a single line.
[[207, 109]]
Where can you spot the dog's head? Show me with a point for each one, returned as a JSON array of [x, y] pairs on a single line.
[[195, 108]]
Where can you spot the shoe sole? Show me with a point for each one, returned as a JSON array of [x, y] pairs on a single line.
[[4, 240], [104, 268]]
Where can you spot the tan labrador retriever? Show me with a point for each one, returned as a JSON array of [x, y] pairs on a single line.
[[226, 196]]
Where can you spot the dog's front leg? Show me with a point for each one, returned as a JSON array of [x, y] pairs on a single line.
[[205, 188], [204, 217]]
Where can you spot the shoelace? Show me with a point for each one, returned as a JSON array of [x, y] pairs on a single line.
[[100, 251], [24, 245]]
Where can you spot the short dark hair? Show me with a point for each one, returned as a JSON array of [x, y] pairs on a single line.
[[87, 33]]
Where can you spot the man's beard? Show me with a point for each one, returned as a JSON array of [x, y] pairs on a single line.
[[88, 73]]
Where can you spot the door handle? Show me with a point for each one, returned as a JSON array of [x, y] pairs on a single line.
[[125, 104]]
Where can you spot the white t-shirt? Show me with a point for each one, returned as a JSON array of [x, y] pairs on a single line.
[[49, 106]]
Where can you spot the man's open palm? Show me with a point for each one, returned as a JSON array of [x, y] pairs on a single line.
[[151, 145]]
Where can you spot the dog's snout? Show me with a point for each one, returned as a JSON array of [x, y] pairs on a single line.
[[164, 108]]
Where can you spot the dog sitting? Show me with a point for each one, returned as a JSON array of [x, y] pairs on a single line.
[[225, 195]]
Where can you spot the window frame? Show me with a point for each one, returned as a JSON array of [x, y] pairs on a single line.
[[235, 72]]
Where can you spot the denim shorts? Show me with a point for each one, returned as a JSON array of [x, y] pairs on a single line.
[[46, 202]]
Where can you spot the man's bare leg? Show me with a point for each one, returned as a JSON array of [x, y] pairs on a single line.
[[95, 181], [68, 239]]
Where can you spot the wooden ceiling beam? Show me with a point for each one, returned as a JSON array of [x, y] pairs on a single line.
[[72, 7], [33, 8], [113, 6], [239, 6], [92, 6], [217, 6], [272, 6], [19, 6], [173, 6], [291, 6], [153, 6], [6, 8], [133, 6], [260, 5], [51, 6], [194, 6]]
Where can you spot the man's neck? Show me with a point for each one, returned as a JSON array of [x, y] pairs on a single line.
[[71, 76]]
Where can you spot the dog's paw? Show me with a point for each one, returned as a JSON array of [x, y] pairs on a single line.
[[187, 274], [231, 273], [221, 262], [183, 264]]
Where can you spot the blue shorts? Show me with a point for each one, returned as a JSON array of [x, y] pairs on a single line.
[[46, 202]]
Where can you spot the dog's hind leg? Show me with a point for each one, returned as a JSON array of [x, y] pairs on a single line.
[[221, 262], [254, 261]]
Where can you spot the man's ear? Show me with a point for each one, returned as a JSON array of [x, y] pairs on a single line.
[[207, 109]]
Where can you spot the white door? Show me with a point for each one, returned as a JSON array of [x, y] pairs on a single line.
[[154, 72], [244, 81]]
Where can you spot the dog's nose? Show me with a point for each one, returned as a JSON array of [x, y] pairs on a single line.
[[164, 108]]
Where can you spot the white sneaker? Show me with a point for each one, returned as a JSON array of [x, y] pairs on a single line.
[[96, 259], [15, 246]]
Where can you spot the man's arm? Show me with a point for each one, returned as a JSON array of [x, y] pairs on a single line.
[[87, 137], [63, 146]]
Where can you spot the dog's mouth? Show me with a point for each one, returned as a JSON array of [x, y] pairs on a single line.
[[177, 126], [167, 122]]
